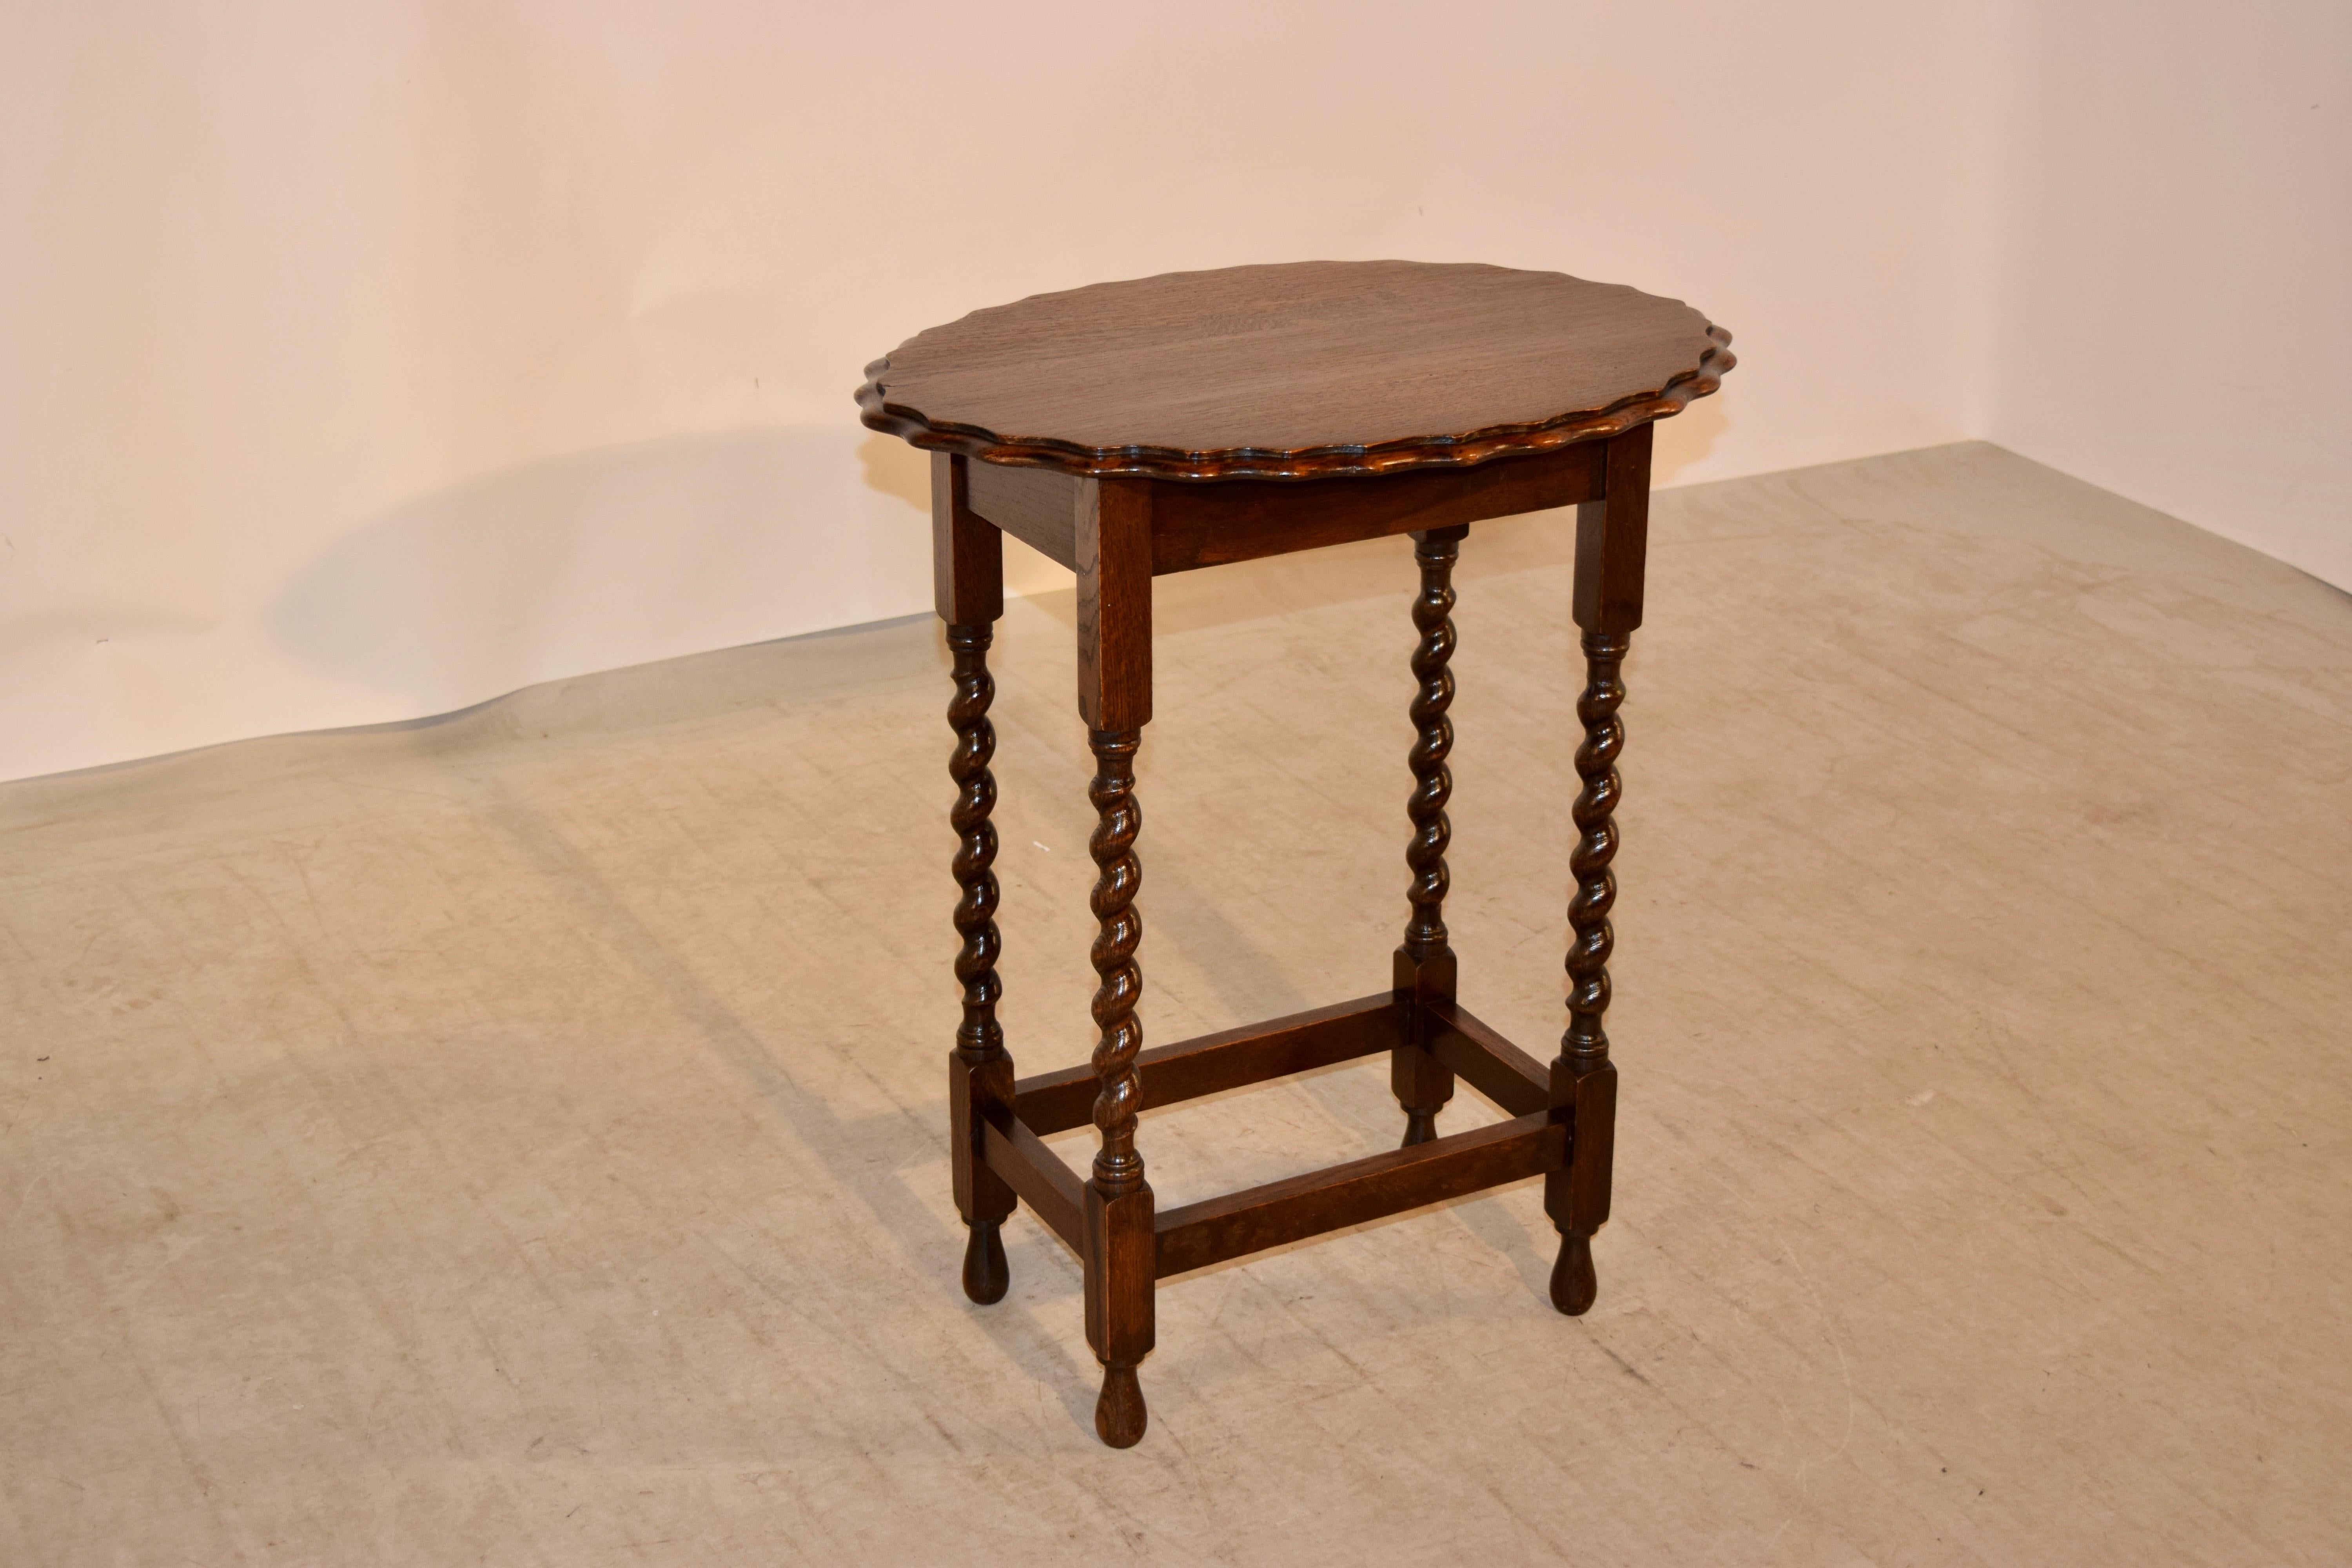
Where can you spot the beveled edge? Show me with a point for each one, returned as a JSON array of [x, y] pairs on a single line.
[[1329, 462]]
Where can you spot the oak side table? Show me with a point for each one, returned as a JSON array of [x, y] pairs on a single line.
[[1131, 429]]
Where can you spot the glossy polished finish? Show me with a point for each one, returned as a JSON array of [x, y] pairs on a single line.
[[1432, 616], [980, 1039], [1424, 966], [1197, 419], [1311, 369], [1119, 1201]]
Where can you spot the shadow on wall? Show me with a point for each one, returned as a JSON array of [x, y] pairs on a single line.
[[614, 557], [896, 469], [1687, 437], [629, 554]]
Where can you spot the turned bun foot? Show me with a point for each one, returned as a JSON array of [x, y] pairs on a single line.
[[1419, 1127], [1573, 1286], [985, 1273], [1120, 1416]]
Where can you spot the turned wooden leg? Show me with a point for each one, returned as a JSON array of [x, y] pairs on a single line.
[[1119, 1200], [1582, 1077], [1425, 964], [967, 576], [1611, 544], [1114, 552], [981, 1074]]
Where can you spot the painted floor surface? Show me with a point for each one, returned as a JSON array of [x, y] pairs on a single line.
[[520, 1139]]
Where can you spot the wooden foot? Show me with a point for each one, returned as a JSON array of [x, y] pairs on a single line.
[[1583, 1083], [1425, 964], [980, 1075], [1574, 1287], [986, 1276], [1119, 1415], [1121, 1245]]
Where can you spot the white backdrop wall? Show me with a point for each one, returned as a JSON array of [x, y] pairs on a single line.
[[2172, 305], [364, 361]]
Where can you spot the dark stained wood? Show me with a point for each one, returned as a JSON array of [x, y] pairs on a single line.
[[1114, 556], [1432, 784], [1574, 1287], [1121, 1254], [1486, 1061], [987, 1272], [1231, 1059], [1576, 1198], [1585, 1044], [1114, 535], [980, 1074], [1038, 506], [983, 1197], [1119, 1088], [1118, 1248], [1198, 1235], [1050, 1189], [1307, 370], [967, 552], [979, 1037], [1579, 1201], [1612, 539], [1425, 967], [1198, 525], [1195, 419], [1195, 525], [1419, 1079]]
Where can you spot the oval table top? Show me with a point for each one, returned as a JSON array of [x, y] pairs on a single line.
[[1304, 370]]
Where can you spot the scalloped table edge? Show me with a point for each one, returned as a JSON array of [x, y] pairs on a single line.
[[1141, 462]]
